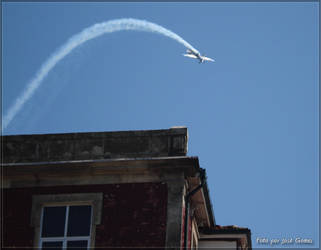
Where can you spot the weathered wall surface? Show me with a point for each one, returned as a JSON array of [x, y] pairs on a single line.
[[97, 145], [134, 215], [189, 232]]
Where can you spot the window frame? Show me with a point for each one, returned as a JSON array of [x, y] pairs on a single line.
[[95, 200]]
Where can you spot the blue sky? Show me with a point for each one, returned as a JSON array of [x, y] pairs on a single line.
[[252, 116]]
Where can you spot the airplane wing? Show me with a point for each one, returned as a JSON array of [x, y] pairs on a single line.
[[192, 51], [208, 59], [190, 55]]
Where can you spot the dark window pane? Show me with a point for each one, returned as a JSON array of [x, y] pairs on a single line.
[[52, 245], [79, 244], [53, 224], [79, 220]]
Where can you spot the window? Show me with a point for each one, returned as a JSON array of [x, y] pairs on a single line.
[[65, 227], [66, 221]]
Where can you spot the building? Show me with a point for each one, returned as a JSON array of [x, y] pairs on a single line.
[[130, 189]]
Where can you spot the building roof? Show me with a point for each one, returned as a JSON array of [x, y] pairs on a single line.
[[94, 145], [41, 159], [228, 230]]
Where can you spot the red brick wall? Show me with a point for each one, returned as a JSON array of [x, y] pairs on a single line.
[[189, 232], [16, 218], [134, 215]]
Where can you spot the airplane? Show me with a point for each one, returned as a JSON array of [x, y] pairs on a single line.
[[197, 55]]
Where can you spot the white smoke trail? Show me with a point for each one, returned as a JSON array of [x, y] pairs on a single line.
[[78, 39]]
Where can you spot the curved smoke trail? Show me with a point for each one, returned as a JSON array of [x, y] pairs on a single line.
[[78, 39]]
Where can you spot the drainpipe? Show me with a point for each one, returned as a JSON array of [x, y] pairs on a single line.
[[187, 204]]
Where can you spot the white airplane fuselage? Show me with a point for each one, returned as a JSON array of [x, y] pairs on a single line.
[[197, 55]]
